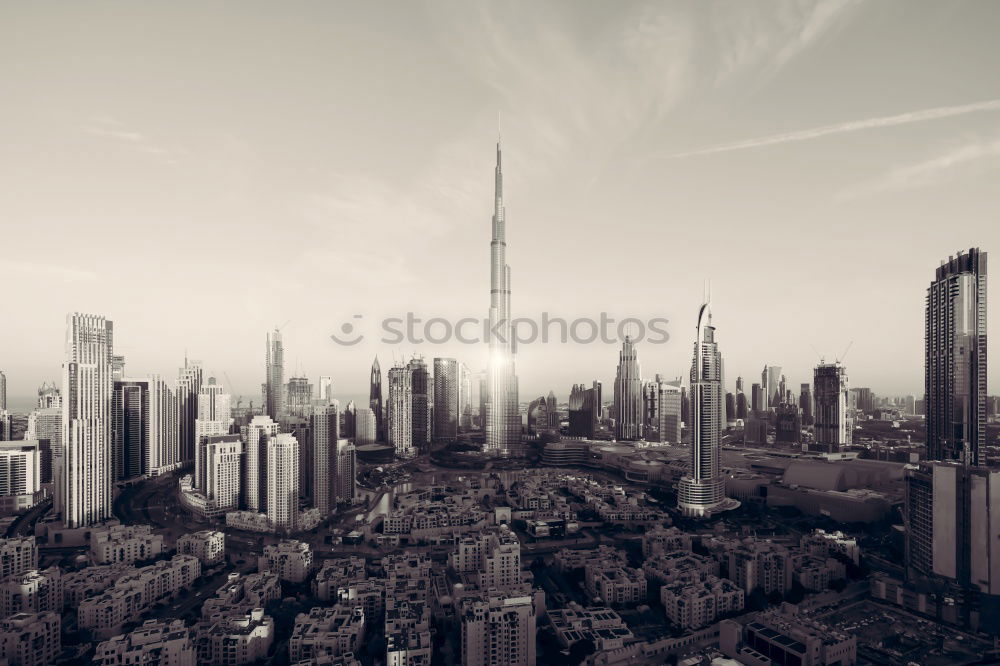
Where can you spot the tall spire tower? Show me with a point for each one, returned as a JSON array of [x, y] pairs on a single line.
[[503, 422], [702, 492]]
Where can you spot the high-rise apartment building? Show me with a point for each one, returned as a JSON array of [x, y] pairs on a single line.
[[188, 385], [628, 393], [421, 387], [214, 417], [662, 410], [255, 437], [955, 359], [770, 382], [45, 427], [584, 412], [274, 405], [703, 491], [400, 410], [806, 404], [49, 396], [282, 482], [951, 534], [465, 404], [503, 418], [130, 428], [223, 463], [326, 434], [325, 388], [832, 424], [85, 470], [365, 426], [20, 470], [447, 399], [300, 396], [375, 399]]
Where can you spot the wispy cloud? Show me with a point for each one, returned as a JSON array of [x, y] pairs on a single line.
[[929, 172], [851, 126], [746, 38], [36, 271], [110, 128]]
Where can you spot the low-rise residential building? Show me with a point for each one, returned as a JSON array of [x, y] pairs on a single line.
[[209, 546], [154, 642], [678, 564], [698, 601], [407, 634], [336, 573], [618, 587], [601, 625], [30, 639], [106, 613], [333, 631], [78, 585], [291, 560], [234, 640], [816, 573], [32, 592], [17, 555], [831, 544], [659, 540], [251, 521], [241, 594], [755, 564], [124, 544], [497, 629]]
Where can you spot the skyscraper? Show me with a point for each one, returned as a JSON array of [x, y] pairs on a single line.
[[188, 385], [400, 412], [806, 404], [347, 463], [300, 396], [955, 359], [130, 428], [662, 411], [503, 418], [326, 434], [3, 391], [628, 393], [85, 468], [214, 418], [465, 410], [583, 411], [375, 399], [421, 412], [326, 388], [770, 382], [447, 387], [275, 378], [951, 528], [223, 456], [366, 428], [702, 492], [282, 482], [255, 438], [45, 426], [833, 427]]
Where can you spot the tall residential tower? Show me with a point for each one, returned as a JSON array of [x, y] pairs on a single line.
[[955, 359]]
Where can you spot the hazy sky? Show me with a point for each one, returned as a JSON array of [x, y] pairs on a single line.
[[201, 172]]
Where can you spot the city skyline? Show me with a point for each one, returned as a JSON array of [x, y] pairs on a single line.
[[655, 153]]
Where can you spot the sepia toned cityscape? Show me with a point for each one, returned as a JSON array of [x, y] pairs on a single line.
[[451, 513]]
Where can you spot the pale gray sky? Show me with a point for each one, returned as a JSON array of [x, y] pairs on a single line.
[[201, 172]]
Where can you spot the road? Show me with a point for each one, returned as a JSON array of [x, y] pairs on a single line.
[[24, 525]]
